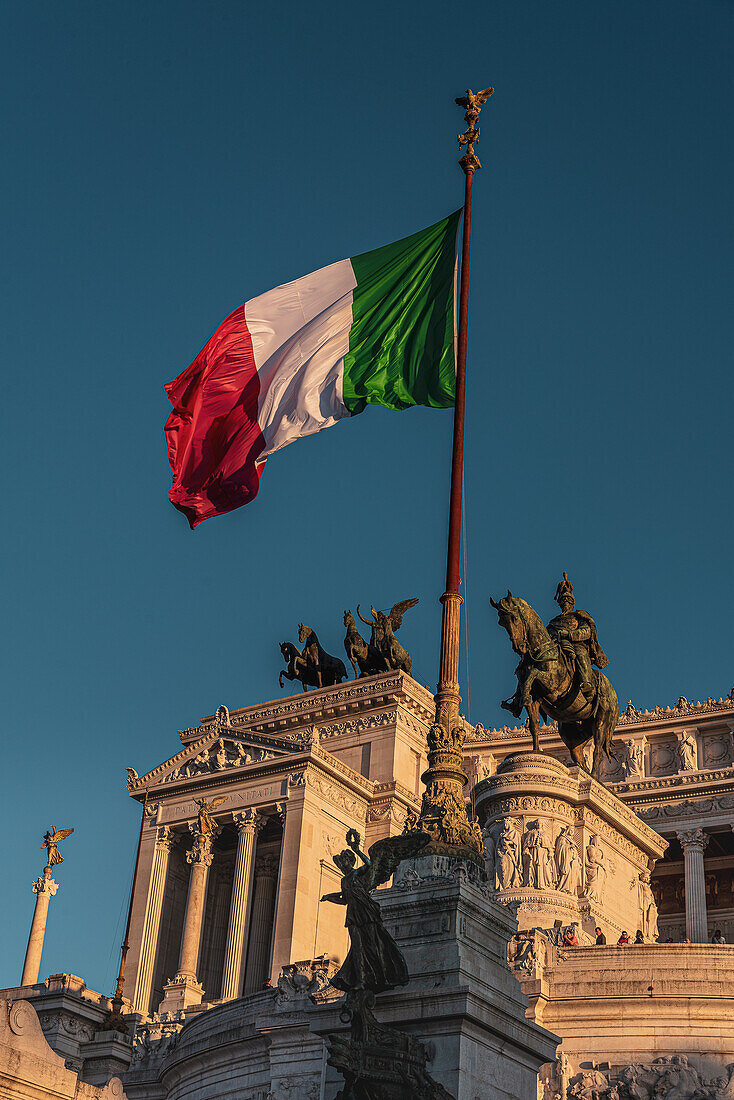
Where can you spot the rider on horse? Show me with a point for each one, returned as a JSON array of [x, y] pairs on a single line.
[[575, 633]]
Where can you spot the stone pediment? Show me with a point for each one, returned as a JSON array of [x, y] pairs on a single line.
[[219, 750]]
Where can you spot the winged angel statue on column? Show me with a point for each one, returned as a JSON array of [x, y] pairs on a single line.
[[51, 839]]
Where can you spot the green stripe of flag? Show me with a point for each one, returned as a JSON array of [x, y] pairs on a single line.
[[401, 343]]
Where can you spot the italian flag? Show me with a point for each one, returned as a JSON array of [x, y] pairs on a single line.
[[377, 329]]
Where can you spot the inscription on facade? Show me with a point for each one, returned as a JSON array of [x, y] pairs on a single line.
[[183, 811]]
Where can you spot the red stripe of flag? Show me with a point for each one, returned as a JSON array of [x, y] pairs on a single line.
[[213, 434]]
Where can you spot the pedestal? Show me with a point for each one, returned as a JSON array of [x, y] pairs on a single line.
[[462, 1001], [563, 849], [181, 992], [107, 1055]]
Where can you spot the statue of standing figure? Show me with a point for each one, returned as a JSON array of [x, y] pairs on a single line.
[[596, 871], [507, 855], [207, 824], [633, 764], [568, 861], [539, 871], [688, 752], [51, 839], [489, 849], [375, 1059], [648, 908], [382, 637]]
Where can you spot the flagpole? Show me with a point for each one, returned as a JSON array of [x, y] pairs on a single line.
[[443, 810], [114, 1021]]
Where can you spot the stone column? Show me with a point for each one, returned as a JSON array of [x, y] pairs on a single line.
[[44, 888], [185, 989], [165, 839], [693, 842], [261, 928], [200, 857], [248, 822]]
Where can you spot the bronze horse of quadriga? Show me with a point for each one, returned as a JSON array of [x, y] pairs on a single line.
[[548, 687], [328, 670]]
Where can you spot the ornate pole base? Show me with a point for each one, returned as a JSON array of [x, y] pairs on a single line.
[[443, 811]]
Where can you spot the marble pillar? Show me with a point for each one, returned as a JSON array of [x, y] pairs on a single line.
[[44, 888], [247, 823], [261, 926], [165, 838], [693, 842], [185, 989]]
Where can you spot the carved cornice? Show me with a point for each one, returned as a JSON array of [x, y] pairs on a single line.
[[326, 703], [689, 808], [667, 782], [723, 707], [358, 725]]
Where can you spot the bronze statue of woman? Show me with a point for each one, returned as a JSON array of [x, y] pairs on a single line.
[[374, 961]]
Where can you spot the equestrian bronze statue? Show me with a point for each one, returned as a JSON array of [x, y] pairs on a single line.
[[312, 666], [556, 678]]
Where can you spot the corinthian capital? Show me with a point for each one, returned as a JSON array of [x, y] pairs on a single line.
[[266, 866], [693, 840], [202, 851], [248, 821], [45, 886], [164, 838]]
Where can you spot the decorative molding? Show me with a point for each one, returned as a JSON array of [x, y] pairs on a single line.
[[688, 806], [337, 796], [359, 725]]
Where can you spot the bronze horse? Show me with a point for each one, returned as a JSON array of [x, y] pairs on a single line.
[[547, 686], [298, 669], [328, 670], [364, 658]]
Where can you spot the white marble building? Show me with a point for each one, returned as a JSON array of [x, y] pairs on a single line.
[[284, 781], [675, 767]]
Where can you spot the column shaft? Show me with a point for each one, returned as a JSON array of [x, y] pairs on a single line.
[[261, 926], [194, 917], [247, 824], [44, 889], [152, 919], [693, 842]]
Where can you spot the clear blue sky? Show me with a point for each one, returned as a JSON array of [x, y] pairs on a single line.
[[161, 163]]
